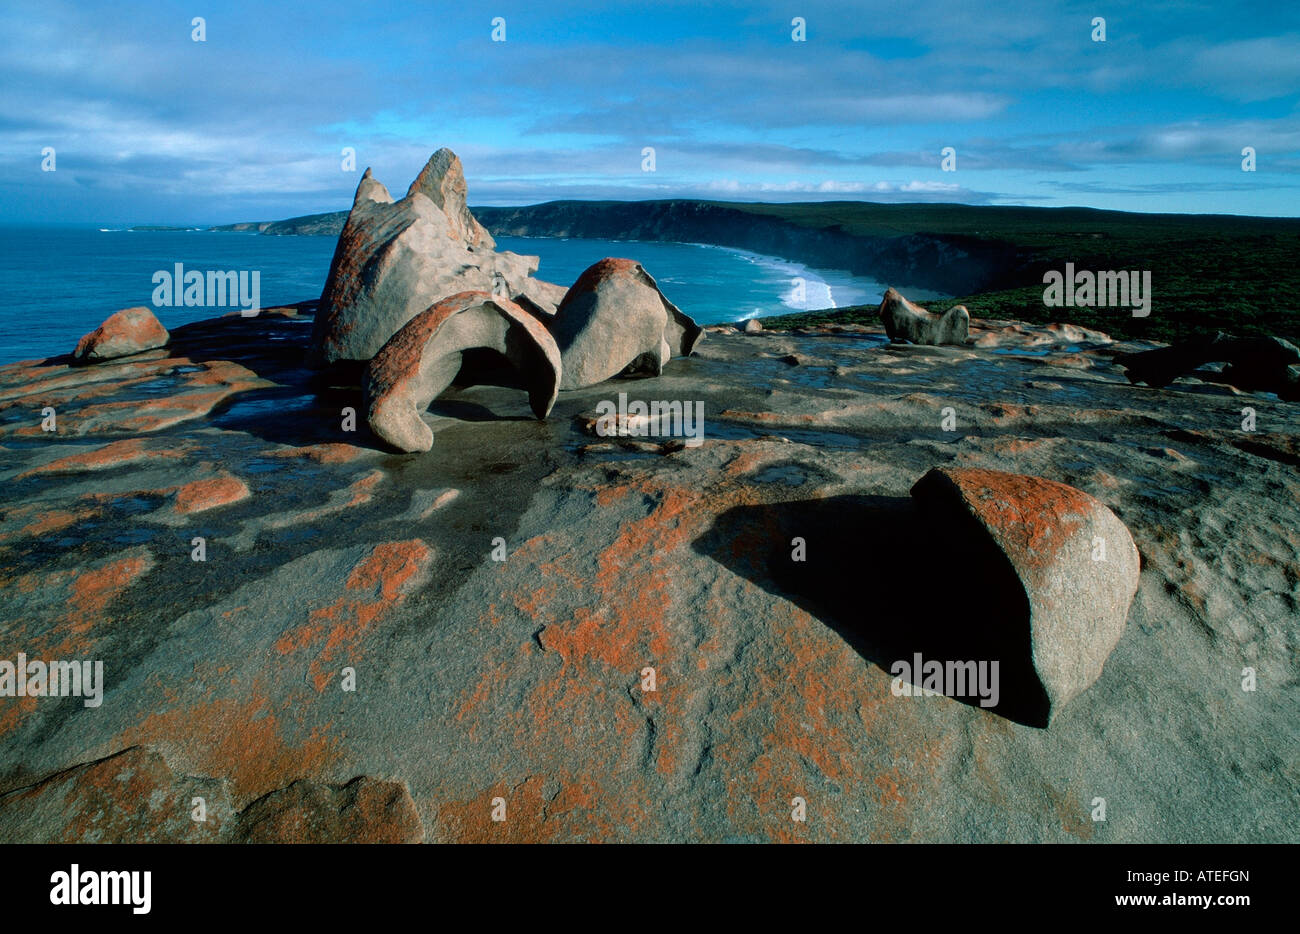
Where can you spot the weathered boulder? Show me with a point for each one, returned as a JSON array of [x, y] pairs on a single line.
[[396, 258], [126, 332], [906, 321], [1254, 363], [753, 326], [423, 358], [615, 319], [1076, 561]]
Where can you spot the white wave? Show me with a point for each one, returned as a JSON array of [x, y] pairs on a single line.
[[808, 289]]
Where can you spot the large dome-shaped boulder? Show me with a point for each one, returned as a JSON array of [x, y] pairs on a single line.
[[396, 258], [423, 358], [615, 319], [1075, 560]]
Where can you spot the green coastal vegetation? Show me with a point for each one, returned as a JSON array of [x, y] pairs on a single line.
[[1210, 273]]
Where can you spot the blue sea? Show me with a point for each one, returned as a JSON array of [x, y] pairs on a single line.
[[62, 282]]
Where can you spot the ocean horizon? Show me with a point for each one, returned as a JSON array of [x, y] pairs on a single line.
[[64, 281]]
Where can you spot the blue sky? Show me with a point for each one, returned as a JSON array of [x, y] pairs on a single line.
[[150, 126]]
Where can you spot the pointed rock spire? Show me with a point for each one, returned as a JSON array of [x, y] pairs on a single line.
[[394, 259], [442, 181], [371, 189]]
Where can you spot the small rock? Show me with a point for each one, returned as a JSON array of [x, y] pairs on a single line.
[[126, 332], [753, 326]]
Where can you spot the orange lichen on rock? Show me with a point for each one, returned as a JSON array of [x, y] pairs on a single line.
[[1036, 515], [784, 418], [54, 520], [113, 454], [572, 812], [130, 417], [94, 589], [597, 648], [614, 631], [240, 739], [89, 592], [1018, 445], [45, 520], [128, 331], [374, 588], [362, 487], [1073, 361], [202, 495], [85, 595], [471, 821], [603, 269], [225, 373], [201, 391], [1010, 411], [129, 797], [330, 452], [553, 577], [803, 698], [211, 492]]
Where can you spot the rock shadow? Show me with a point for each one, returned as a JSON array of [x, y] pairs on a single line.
[[893, 579], [481, 366], [306, 406]]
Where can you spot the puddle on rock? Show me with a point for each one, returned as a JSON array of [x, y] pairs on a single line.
[[790, 474]]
